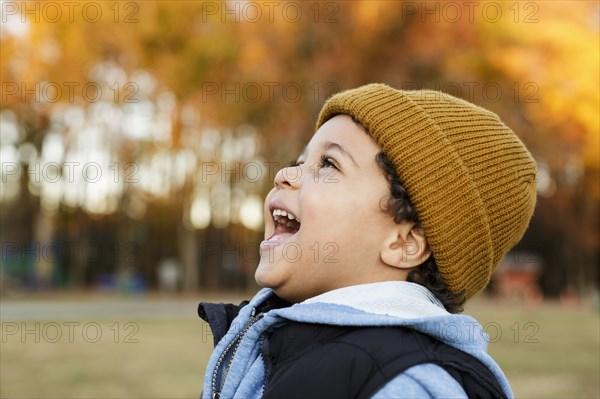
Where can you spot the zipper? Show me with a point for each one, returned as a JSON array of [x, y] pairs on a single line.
[[226, 359]]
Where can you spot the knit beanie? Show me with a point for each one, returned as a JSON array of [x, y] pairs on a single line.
[[470, 178]]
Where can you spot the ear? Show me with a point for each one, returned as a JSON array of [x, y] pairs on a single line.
[[405, 247]]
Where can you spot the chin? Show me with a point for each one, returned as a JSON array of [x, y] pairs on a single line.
[[262, 274]]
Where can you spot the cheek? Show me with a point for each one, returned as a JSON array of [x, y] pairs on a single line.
[[324, 213], [349, 222]]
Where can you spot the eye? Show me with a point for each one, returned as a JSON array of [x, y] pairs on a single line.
[[327, 162]]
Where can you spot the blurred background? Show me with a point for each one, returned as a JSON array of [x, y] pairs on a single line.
[[139, 138]]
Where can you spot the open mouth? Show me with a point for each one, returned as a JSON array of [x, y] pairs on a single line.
[[286, 220], [286, 225]]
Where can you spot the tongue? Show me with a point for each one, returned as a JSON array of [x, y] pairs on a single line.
[[281, 233], [280, 236]]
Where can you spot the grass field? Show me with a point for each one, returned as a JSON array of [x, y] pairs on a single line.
[[546, 352]]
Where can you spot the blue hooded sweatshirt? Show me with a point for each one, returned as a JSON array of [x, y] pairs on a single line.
[[393, 303]]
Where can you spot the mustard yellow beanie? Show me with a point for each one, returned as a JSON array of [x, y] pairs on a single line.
[[469, 176]]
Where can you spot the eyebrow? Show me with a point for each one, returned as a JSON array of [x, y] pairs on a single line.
[[330, 144]]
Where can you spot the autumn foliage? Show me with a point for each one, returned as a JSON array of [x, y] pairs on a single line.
[[186, 110]]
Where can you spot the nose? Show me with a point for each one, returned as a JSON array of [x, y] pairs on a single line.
[[288, 177]]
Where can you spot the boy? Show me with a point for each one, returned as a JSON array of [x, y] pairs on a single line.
[[396, 213]]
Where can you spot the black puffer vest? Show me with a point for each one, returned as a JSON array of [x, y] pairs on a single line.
[[305, 360]]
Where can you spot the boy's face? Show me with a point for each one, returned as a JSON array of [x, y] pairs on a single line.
[[336, 193]]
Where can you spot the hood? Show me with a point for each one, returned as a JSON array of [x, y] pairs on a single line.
[[394, 303]]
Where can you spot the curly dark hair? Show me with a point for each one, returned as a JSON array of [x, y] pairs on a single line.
[[400, 207]]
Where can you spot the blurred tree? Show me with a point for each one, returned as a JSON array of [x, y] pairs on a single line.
[[185, 85]]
